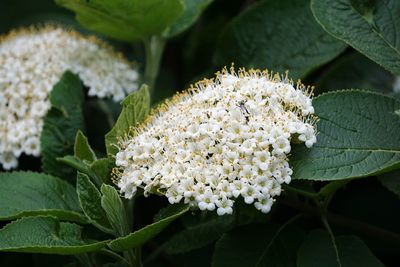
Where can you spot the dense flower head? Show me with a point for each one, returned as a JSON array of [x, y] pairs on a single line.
[[224, 138], [32, 61]]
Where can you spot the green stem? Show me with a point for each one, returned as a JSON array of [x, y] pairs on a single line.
[[138, 255], [107, 111], [154, 47], [114, 255], [332, 236], [300, 192]]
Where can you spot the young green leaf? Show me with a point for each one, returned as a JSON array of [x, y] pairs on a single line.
[[191, 13], [114, 209], [126, 20], [263, 36], [82, 149], [61, 124], [358, 137], [45, 234], [135, 107], [318, 247], [90, 201], [29, 193], [102, 169], [258, 245], [82, 166], [371, 27], [140, 237]]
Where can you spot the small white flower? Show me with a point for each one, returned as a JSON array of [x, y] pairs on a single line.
[[227, 138], [32, 61]]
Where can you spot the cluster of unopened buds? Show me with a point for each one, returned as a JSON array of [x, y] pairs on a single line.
[[32, 61], [222, 139]]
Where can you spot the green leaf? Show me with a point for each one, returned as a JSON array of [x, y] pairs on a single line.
[[82, 149], [318, 247], [102, 169], [357, 137], [200, 235], [258, 245], [90, 202], [61, 124], [126, 20], [355, 71], [45, 234], [280, 35], [29, 193], [371, 27], [114, 208], [135, 107], [140, 237], [191, 13], [391, 181]]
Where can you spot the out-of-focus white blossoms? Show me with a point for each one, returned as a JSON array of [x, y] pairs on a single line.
[[32, 61], [225, 138]]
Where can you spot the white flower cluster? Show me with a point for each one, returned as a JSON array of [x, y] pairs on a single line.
[[31, 63], [223, 139]]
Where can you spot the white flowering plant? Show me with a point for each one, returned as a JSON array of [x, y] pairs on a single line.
[[283, 151]]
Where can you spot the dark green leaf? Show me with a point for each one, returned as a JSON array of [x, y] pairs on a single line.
[[350, 142], [114, 209], [318, 248], [280, 35], [45, 234], [355, 71], [200, 235], [371, 27], [126, 20], [140, 237], [90, 201], [258, 245], [135, 107], [29, 193], [82, 149], [391, 181], [192, 11], [61, 124]]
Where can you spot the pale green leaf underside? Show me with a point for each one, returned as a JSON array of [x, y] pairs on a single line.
[[358, 135], [45, 234], [318, 248], [140, 237], [265, 37], [29, 193], [372, 27], [126, 20]]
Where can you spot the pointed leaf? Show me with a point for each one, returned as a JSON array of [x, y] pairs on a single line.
[[140, 237], [114, 209], [61, 124], [280, 35], [82, 149], [29, 193], [126, 20], [371, 27], [318, 247], [258, 245], [135, 107], [45, 234], [350, 141], [90, 201]]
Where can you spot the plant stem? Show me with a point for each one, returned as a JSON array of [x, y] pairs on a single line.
[[332, 236], [342, 221], [154, 47], [138, 255], [114, 255], [300, 192]]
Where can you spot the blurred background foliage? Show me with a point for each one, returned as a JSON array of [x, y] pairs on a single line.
[[372, 210]]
